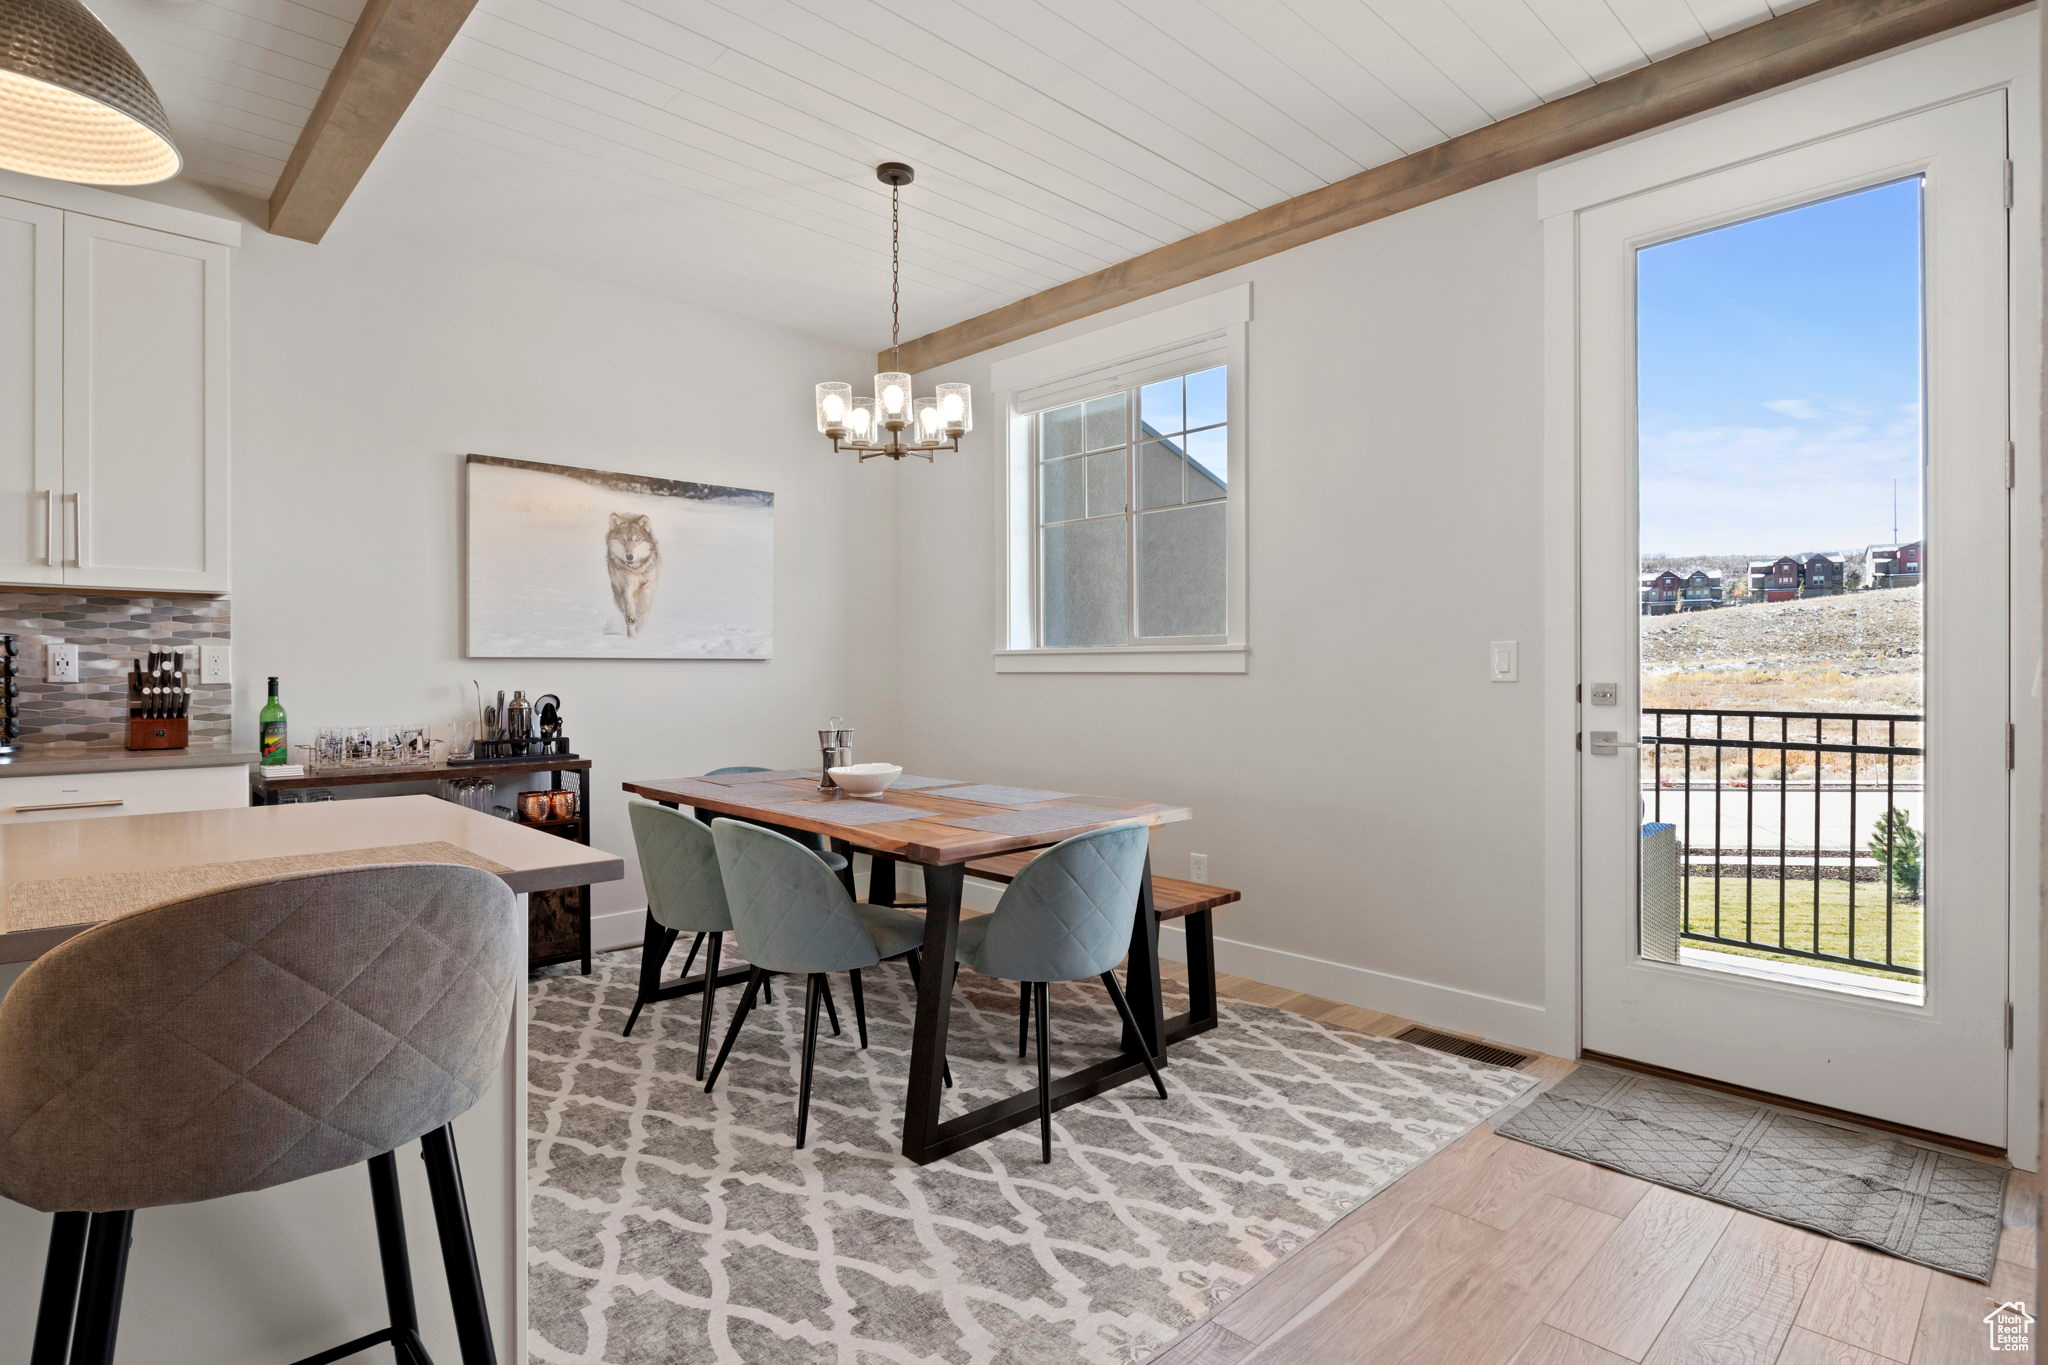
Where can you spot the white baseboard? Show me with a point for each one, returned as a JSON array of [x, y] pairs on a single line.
[[1444, 1007], [1426, 1002]]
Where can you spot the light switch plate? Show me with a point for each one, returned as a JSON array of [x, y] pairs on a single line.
[[215, 663], [63, 664], [1505, 661]]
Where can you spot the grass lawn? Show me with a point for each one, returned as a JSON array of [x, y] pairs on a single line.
[[1761, 898]]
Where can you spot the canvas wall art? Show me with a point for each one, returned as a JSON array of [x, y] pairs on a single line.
[[570, 563]]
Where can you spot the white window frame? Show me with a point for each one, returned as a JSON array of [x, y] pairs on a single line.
[[1187, 337]]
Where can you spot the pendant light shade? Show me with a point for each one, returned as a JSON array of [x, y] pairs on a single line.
[[73, 103]]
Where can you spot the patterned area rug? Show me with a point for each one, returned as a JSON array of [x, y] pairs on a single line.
[[1917, 1202], [668, 1225]]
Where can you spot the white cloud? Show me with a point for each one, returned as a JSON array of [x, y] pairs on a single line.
[[1798, 409]]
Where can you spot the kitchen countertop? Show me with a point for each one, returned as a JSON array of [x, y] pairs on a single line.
[[116, 758], [58, 849]]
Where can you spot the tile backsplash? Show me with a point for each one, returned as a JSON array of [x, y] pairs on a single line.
[[111, 632]]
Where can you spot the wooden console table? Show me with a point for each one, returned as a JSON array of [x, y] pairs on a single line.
[[558, 922]]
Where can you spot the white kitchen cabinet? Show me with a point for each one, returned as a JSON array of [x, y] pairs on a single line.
[[78, 796], [31, 390], [113, 404]]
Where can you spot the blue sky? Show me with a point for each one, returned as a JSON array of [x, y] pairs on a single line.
[[1778, 382]]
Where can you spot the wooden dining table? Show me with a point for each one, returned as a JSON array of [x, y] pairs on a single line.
[[790, 799]]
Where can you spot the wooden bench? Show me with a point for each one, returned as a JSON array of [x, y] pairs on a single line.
[[1171, 898]]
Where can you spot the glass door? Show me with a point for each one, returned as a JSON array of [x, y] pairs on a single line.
[[1793, 392]]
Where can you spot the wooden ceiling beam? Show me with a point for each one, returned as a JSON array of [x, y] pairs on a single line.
[[1776, 52], [395, 45]]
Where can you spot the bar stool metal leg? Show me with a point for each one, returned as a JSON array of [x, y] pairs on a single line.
[[458, 1248], [106, 1271], [391, 1254], [58, 1309]]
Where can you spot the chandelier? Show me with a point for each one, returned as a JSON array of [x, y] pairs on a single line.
[[893, 423]]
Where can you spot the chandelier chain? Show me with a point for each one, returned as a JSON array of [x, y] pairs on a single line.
[[895, 275]]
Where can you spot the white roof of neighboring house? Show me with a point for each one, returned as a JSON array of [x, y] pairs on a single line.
[[1833, 559], [1711, 573]]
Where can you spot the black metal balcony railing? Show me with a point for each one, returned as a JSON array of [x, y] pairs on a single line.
[[1710, 771]]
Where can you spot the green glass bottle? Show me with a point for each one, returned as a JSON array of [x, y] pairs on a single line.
[[275, 750]]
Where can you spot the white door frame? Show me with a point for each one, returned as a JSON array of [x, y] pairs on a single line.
[[1999, 55]]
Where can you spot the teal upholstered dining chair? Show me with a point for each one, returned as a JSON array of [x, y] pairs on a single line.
[[679, 867], [794, 916], [1066, 917]]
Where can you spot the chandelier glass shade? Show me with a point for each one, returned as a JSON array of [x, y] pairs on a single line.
[[894, 422]]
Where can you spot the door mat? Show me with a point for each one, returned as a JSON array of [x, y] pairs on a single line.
[[1913, 1201]]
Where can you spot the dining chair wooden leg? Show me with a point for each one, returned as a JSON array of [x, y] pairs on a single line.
[[1039, 1000], [58, 1308], [711, 956], [732, 1031], [100, 1288], [910, 960], [1023, 1017], [655, 942], [860, 1008], [1123, 1009], [690, 958], [817, 990], [831, 1009]]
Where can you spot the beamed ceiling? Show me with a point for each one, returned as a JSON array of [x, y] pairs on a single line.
[[721, 150]]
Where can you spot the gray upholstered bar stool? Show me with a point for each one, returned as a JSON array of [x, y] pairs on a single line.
[[1066, 916], [244, 1039]]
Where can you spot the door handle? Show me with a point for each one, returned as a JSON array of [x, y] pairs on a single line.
[[1606, 742], [49, 527], [70, 805]]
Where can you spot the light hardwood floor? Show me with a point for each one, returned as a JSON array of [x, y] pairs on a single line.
[[1493, 1252]]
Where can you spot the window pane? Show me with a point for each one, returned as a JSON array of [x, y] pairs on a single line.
[[1060, 490], [1181, 571], [1209, 463], [1086, 583], [1059, 432], [1159, 407], [1109, 483], [1107, 423], [1159, 474], [1209, 397]]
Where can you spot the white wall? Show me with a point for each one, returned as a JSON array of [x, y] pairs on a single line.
[[1377, 798], [366, 367]]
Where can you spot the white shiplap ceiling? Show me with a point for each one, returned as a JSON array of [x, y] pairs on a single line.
[[722, 150]]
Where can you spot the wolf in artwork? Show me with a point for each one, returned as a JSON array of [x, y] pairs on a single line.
[[634, 561]]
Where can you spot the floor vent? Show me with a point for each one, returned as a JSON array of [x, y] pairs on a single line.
[[1462, 1047]]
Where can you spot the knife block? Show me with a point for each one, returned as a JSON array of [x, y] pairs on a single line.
[[159, 732]]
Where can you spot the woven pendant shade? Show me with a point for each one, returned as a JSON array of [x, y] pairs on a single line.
[[73, 104]]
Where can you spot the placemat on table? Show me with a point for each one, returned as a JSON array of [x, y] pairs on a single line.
[[849, 812], [61, 901], [991, 794], [742, 779], [910, 783], [1043, 820]]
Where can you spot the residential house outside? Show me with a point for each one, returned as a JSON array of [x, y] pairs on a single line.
[[1894, 566], [1776, 580], [1826, 576], [1661, 593], [1703, 590]]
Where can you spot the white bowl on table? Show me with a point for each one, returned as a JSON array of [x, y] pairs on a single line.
[[865, 779]]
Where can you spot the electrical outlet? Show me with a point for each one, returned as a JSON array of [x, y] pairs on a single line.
[[63, 664], [215, 663], [1198, 867]]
